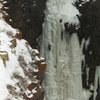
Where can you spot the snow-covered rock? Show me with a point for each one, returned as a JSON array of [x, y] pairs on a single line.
[[21, 67]]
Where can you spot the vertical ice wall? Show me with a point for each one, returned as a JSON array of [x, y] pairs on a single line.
[[62, 52], [97, 83]]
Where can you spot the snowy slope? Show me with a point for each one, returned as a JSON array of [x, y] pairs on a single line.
[[20, 67]]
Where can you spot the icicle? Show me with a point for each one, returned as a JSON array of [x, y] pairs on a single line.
[[96, 83]]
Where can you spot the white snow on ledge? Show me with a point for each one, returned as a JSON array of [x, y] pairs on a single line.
[[9, 59], [4, 27]]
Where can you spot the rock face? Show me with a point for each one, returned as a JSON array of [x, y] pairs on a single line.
[[62, 52], [21, 67]]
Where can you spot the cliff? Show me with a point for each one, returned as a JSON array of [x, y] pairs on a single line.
[[62, 51], [21, 67]]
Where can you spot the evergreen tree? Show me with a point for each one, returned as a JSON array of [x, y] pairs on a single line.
[[90, 27], [27, 16]]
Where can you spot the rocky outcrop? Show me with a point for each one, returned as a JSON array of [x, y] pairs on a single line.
[[21, 67], [28, 17], [4, 57]]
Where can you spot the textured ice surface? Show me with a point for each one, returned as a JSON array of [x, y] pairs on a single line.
[[63, 56]]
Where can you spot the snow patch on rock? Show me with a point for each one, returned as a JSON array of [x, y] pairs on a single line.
[[21, 74]]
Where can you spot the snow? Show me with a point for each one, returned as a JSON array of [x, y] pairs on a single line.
[[37, 58], [86, 94], [4, 2], [13, 65], [29, 94], [4, 27], [4, 79], [34, 90], [22, 50], [36, 70], [35, 51]]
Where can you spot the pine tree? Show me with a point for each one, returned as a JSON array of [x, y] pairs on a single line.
[[27, 16], [90, 27], [86, 23]]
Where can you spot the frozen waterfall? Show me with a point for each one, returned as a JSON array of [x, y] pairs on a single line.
[[62, 52]]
